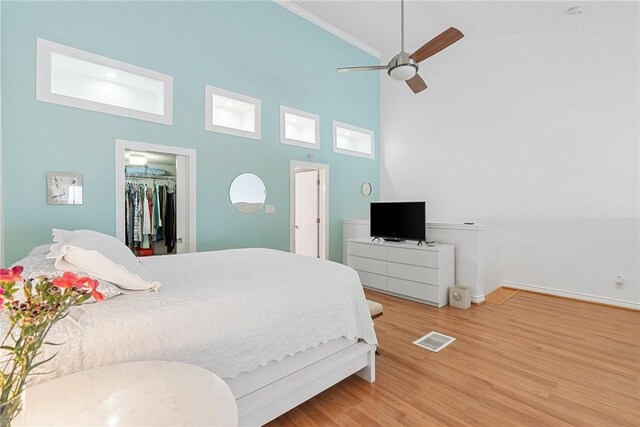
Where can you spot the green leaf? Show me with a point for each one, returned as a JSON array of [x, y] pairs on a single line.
[[32, 367], [42, 373]]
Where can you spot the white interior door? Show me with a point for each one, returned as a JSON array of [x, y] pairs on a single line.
[[307, 216], [182, 207]]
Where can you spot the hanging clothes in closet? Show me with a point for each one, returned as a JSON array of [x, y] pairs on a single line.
[[150, 215]]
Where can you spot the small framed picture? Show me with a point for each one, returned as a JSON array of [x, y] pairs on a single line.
[[64, 188]]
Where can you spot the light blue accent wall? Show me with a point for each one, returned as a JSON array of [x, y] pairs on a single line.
[[255, 48]]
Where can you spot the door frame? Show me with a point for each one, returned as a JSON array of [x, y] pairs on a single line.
[[323, 206], [121, 146]]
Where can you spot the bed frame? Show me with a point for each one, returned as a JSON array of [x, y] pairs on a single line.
[[273, 400]]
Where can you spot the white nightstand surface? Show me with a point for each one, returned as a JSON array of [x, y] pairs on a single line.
[[132, 394]]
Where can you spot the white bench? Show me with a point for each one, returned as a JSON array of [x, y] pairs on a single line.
[[132, 394], [375, 309]]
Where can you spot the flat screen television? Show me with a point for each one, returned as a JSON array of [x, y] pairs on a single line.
[[398, 221]]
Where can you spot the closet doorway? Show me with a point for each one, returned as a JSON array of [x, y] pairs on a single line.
[[309, 209], [155, 198]]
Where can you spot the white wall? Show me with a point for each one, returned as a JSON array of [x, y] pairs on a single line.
[[537, 137]]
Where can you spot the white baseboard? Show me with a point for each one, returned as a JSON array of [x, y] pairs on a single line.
[[576, 295], [477, 299]]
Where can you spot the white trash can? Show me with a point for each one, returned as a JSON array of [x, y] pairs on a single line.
[[459, 297]]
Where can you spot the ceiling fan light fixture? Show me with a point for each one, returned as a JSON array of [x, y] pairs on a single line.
[[402, 72]]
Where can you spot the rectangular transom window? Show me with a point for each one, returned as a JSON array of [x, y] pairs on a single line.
[[299, 128], [76, 78], [231, 113], [352, 140]]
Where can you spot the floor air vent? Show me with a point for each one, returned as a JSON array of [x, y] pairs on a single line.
[[434, 341]]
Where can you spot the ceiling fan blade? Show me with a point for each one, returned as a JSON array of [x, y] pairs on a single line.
[[365, 68], [416, 84], [436, 44]]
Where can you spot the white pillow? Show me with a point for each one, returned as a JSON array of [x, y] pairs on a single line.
[[61, 236], [58, 235], [37, 264], [102, 256]]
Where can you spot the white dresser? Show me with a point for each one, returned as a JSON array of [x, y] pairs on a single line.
[[419, 273]]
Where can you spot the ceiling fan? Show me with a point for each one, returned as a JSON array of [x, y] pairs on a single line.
[[404, 66]]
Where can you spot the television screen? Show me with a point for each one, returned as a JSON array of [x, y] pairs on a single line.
[[399, 220]]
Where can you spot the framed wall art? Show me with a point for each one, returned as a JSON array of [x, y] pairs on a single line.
[[64, 188]]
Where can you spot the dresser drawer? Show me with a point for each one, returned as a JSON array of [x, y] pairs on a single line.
[[373, 280], [413, 289], [413, 273], [367, 251], [367, 264], [413, 256]]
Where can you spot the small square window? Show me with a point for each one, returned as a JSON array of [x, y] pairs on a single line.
[[76, 78], [352, 140], [299, 128], [232, 113]]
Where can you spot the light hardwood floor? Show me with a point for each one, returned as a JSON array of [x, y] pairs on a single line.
[[534, 360]]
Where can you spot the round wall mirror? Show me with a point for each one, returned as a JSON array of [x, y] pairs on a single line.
[[247, 193]]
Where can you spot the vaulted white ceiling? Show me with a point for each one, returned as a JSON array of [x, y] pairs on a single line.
[[377, 23]]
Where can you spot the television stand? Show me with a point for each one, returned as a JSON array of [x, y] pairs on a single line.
[[419, 273]]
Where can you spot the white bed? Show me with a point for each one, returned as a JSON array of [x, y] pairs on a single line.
[[277, 327]]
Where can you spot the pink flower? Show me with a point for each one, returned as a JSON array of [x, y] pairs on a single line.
[[93, 285], [12, 275], [70, 280]]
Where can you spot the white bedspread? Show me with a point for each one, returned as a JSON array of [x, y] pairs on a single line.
[[228, 311]]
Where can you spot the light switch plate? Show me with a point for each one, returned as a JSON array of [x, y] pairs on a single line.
[[270, 209]]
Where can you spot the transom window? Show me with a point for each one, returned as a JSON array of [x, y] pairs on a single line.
[[352, 140], [232, 113], [299, 128], [76, 78]]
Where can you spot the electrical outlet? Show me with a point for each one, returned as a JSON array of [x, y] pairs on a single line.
[[619, 281], [270, 209]]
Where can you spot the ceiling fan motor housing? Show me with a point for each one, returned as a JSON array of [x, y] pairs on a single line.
[[402, 67]]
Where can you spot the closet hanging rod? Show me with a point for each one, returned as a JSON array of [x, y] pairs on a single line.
[[161, 178]]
